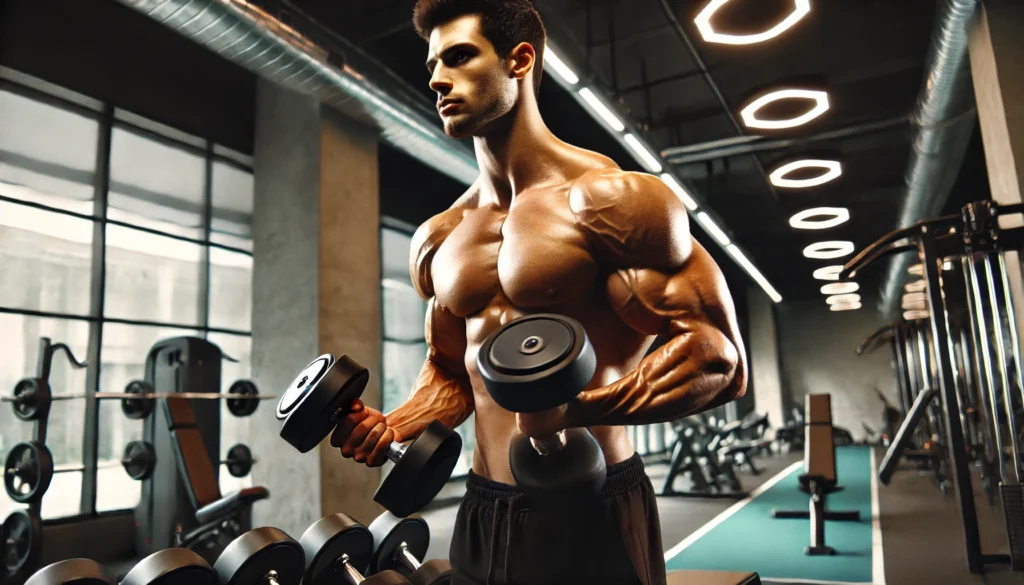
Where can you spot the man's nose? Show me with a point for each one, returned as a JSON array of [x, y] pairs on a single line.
[[440, 84]]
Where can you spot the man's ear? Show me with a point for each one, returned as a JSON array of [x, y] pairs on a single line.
[[521, 60]]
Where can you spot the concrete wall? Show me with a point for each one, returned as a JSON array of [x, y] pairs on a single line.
[[817, 349], [316, 289]]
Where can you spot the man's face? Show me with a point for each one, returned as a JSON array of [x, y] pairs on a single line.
[[472, 82]]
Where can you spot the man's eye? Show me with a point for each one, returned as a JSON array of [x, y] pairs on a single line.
[[459, 57]]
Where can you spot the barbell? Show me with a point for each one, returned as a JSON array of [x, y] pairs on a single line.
[[32, 398]]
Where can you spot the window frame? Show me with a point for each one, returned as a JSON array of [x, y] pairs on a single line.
[[108, 117]]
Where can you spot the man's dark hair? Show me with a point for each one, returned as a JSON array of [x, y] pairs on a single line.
[[505, 23]]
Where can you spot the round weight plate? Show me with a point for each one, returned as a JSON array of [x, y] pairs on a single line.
[[242, 406], [173, 566], [73, 572], [326, 543], [390, 533], [537, 362], [252, 556], [239, 461], [432, 572], [530, 345], [577, 470], [318, 396], [424, 468], [139, 460], [137, 408], [20, 544], [28, 471], [31, 399]]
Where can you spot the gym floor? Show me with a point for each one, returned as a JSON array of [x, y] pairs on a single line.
[[922, 537]]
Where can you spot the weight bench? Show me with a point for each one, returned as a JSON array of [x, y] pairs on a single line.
[[819, 477], [218, 515], [712, 578]]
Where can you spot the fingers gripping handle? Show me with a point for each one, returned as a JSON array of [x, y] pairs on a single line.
[[549, 444]]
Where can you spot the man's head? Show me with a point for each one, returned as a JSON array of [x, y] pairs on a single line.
[[481, 55]]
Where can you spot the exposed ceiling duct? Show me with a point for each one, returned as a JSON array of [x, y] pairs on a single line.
[[304, 57], [943, 119]]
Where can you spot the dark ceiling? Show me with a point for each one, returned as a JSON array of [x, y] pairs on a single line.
[[683, 91]]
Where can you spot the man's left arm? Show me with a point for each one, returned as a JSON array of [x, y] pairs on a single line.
[[661, 282]]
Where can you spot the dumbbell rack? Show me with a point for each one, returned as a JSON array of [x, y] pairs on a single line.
[[977, 242]]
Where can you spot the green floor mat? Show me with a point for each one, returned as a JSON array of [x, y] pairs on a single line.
[[752, 540]]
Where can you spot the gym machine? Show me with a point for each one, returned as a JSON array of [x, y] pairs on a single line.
[[158, 461], [979, 334]]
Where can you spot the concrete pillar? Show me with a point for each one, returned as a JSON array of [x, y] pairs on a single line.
[[997, 52], [316, 289], [763, 347]]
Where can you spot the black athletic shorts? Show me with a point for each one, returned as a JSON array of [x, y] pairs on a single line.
[[616, 540]]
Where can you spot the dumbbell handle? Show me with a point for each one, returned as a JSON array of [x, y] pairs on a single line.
[[352, 575], [407, 558], [396, 451], [549, 444]]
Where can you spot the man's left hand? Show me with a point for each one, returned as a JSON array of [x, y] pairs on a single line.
[[545, 423]]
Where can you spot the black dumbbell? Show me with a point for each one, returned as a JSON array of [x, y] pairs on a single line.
[[263, 556], [173, 566], [536, 363], [338, 550], [401, 544], [323, 393], [73, 572]]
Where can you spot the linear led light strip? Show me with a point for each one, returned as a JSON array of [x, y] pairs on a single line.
[[653, 164]]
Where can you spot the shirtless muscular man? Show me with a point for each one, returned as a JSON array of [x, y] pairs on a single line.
[[549, 227]]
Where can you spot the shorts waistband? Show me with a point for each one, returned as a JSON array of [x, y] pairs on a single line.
[[622, 477]]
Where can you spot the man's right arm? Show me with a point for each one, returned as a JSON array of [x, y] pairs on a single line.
[[442, 391]]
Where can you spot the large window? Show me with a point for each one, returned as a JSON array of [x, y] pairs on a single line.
[[115, 233]]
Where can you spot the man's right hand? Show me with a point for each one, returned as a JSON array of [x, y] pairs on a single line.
[[364, 435]]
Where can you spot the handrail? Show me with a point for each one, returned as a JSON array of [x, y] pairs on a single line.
[[890, 243], [874, 341]]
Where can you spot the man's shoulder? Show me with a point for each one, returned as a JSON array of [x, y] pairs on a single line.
[[631, 215], [429, 237], [610, 185], [441, 224]]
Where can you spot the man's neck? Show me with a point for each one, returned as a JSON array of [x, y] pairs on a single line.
[[516, 153]]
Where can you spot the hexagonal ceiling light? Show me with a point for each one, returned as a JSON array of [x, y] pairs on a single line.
[[749, 112], [831, 170], [801, 8]]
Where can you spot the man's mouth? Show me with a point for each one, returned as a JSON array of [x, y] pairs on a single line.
[[449, 107]]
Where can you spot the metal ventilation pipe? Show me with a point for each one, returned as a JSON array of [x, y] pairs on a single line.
[[944, 119], [341, 75]]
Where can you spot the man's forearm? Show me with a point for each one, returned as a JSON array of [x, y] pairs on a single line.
[[439, 394], [689, 374]]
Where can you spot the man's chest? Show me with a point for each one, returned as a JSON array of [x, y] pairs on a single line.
[[535, 255]]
